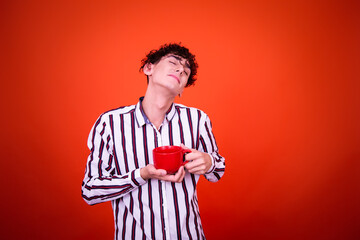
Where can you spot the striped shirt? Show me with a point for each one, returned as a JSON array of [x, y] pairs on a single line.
[[121, 142]]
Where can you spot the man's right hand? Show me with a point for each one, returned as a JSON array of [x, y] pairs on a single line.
[[150, 172]]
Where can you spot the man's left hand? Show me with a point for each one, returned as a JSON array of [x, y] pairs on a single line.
[[199, 162]]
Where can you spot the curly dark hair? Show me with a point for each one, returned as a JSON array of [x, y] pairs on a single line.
[[177, 49]]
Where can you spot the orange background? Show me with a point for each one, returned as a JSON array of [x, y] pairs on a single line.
[[279, 80]]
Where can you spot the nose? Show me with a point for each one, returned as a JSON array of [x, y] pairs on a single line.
[[180, 68]]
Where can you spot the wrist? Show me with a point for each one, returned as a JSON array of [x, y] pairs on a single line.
[[144, 173], [211, 164]]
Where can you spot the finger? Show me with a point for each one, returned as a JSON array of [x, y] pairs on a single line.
[[179, 172], [195, 155], [173, 178], [183, 146], [197, 170], [192, 156], [196, 166], [193, 163], [157, 172], [161, 172], [178, 177]]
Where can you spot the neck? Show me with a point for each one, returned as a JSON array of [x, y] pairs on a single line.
[[156, 105]]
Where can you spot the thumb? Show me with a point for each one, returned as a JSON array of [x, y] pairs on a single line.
[[183, 146]]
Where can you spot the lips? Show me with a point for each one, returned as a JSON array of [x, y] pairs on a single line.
[[176, 78]]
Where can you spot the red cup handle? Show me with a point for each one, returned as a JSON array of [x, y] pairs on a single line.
[[184, 162], [185, 151]]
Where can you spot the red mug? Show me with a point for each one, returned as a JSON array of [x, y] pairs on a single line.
[[170, 158]]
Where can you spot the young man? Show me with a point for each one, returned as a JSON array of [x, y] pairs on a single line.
[[148, 203]]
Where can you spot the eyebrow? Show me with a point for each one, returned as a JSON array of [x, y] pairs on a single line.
[[180, 59]]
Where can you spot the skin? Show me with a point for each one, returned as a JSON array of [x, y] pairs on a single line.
[[167, 79]]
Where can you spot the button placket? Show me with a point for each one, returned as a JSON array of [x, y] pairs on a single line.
[[163, 188]]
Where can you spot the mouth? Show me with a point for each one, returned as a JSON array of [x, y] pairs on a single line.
[[175, 77]]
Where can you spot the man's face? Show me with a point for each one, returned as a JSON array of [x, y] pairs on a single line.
[[171, 72]]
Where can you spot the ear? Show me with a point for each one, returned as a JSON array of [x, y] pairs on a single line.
[[148, 68]]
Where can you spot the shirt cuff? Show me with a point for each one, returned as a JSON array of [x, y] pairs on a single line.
[[136, 178], [211, 169]]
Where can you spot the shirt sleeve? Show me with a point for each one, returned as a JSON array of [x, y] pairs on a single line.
[[208, 145], [101, 181]]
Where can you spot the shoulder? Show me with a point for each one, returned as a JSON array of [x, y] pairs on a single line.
[[116, 112], [120, 110], [192, 110], [107, 119]]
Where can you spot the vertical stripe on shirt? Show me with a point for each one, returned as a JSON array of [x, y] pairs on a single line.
[[191, 127], [150, 200], [116, 215], [134, 139], [181, 132], [123, 141], [198, 128], [177, 214], [124, 225], [162, 210], [116, 161]]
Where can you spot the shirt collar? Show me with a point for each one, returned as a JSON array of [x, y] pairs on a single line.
[[142, 119]]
